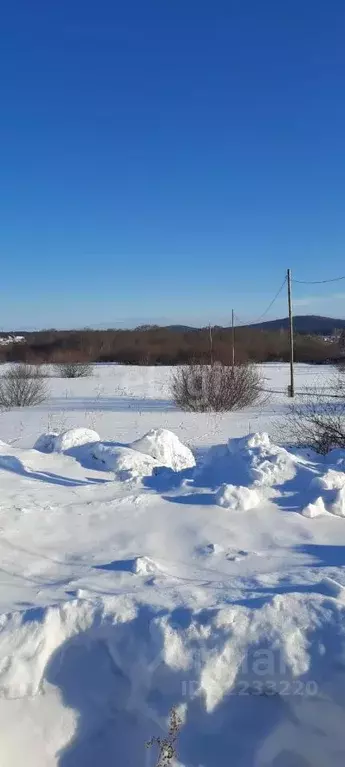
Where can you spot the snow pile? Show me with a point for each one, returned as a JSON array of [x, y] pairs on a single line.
[[165, 447], [337, 504], [332, 498], [332, 480], [61, 443], [158, 449], [237, 498], [106, 673], [315, 509], [126, 463], [266, 463]]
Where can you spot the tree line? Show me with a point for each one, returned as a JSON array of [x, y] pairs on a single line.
[[168, 346]]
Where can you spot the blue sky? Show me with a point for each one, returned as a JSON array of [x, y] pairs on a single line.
[[167, 160]]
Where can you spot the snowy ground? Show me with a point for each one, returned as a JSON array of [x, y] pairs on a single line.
[[132, 581]]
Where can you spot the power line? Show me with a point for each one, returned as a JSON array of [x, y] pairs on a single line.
[[268, 308], [299, 282], [318, 282]]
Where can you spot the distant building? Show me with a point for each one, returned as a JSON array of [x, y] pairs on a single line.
[[10, 339]]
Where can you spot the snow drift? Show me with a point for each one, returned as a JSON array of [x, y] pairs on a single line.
[[62, 443], [332, 497], [158, 449], [267, 464], [126, 463], [237, 498], [123, 601], [108, 671], [165, 447]]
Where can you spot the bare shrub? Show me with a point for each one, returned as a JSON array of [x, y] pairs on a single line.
[[21, 386], [75, 369], [316, 419], [217, 387], [167, 752]]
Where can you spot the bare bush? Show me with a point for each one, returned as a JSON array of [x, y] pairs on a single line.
[[167, 749], [217, 387], [316, 419], [21, 386], [75, 369]]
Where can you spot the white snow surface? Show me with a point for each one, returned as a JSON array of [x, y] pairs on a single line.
[[67, 440], [166, 448], [124, 462], [237, 498], [132, 581]]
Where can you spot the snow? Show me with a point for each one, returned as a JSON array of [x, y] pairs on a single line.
[[266, 463], [62, 443], [124, 462], [150, 559], [158, 449], [237, 498], [166, 448]]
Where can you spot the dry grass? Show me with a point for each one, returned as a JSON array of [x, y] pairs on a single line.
[[167, 751]]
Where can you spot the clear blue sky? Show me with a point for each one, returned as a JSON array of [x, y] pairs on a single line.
[[166, 160]]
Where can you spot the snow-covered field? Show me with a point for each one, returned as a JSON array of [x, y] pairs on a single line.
[[202, 569]]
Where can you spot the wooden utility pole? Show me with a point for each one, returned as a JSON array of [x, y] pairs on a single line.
[[211, 344], [233, 339], [292, 377]]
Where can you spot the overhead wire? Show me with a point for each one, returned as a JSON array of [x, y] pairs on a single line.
[[299, 282], [318, 282], [268, 307]]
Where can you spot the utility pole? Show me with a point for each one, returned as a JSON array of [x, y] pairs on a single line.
[[233, 339], [292, 379], [211, 344]]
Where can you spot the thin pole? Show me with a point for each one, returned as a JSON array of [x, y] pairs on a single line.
[[292, 377], [211, 344], [233, 339]]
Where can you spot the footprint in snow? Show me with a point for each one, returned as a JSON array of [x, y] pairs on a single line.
[[236, 556], [232, 555], [210, 548]]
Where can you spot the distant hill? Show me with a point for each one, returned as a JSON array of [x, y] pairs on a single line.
[[309, 324]]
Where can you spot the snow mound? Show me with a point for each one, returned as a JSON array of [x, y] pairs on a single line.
[[165, 447], [159, 449], [108, 672], [126, 463], [61, 443], [332, 480], [46, 442], [266, 463], [315, 509], [332, 498], [144, 566], [237, 498], [337, 504]]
